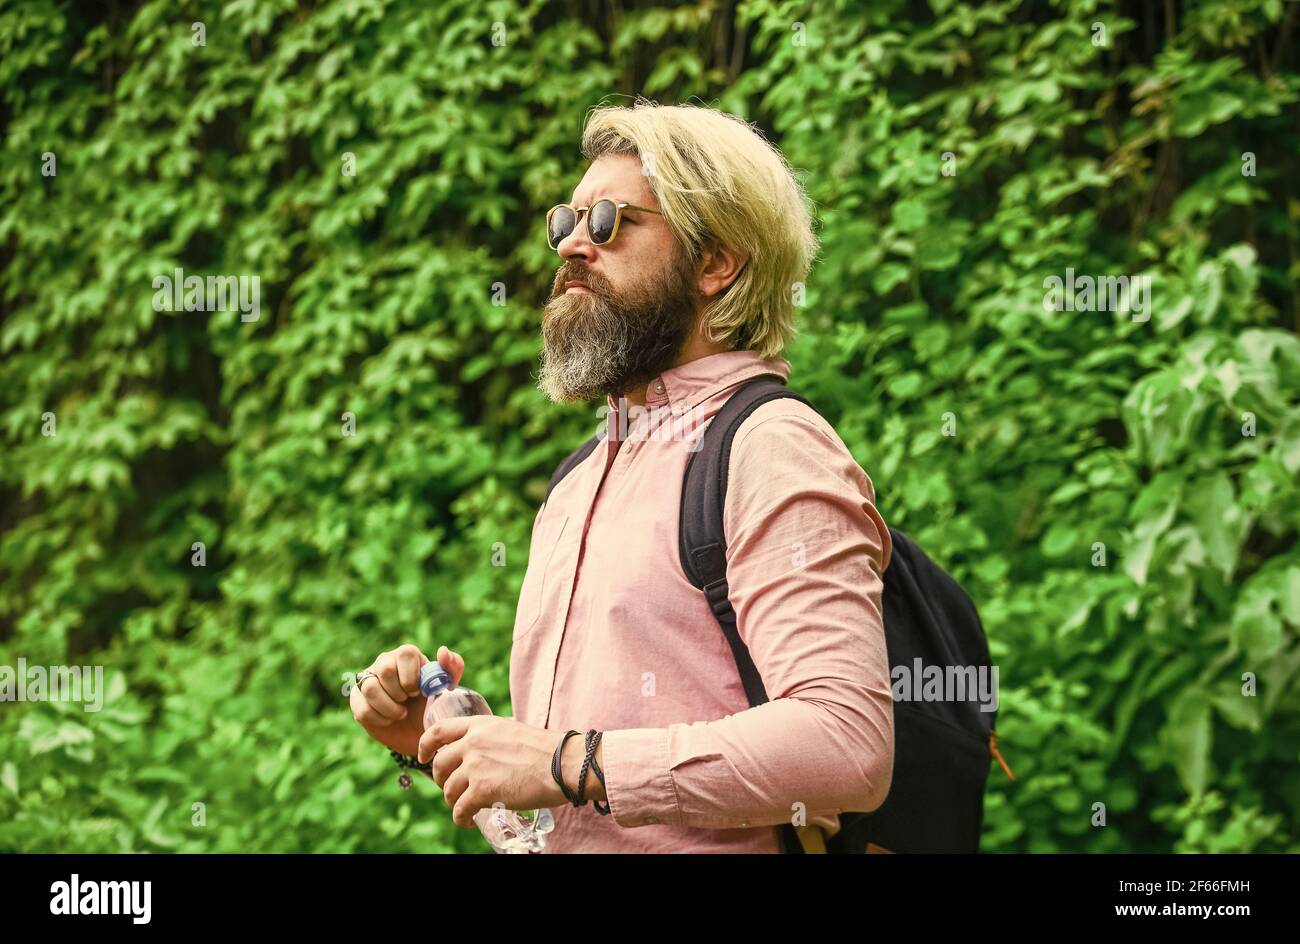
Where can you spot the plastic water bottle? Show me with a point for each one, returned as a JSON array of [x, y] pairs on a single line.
[[508, 831]]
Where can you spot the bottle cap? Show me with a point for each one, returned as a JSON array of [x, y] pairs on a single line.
[[434, 678]]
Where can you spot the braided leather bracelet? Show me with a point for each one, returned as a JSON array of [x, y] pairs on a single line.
[[593, 740], [557, 771]]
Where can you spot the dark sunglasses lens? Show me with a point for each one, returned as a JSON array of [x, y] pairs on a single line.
[[603, 216], [561, 225]]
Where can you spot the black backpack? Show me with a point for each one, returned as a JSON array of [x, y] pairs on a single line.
[[942, 749]]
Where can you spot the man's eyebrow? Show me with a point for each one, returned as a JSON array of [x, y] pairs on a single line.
[[576, 203]]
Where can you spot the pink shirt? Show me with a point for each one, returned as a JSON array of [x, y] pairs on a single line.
[[609, 633]]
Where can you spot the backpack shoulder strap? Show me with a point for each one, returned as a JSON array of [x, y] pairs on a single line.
[[572, 461], [702, 540]]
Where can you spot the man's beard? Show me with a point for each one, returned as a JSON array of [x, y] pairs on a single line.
[[610, 343]]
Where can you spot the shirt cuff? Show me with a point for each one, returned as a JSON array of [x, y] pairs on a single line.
[[638, 786]]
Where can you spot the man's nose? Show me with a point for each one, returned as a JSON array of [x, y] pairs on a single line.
[[578, 244]]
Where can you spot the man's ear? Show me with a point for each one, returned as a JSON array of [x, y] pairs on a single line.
[[720, 266]]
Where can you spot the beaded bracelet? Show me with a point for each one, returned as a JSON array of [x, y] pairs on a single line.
[[404, 780]]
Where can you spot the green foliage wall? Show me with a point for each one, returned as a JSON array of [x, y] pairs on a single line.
[[958, 154]]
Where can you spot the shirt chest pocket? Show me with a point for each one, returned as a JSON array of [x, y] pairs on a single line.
[[540, 575]]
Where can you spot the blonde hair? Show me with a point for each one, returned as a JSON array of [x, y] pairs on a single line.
[[718, 178]]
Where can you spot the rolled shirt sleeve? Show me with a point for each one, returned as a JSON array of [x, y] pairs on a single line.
[[806, 549]]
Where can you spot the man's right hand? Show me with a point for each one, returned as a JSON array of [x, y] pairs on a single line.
[[390, 706]]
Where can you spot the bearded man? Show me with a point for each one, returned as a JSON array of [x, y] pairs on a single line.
[[681, 252]]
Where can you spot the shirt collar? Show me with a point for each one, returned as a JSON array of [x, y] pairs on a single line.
[[685, 386]]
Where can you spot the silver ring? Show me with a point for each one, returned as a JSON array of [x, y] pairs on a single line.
[[365, 674]]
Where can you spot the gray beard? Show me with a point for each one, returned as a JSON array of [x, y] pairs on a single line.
[[596, 345]]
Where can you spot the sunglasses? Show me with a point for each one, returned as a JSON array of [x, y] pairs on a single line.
[[603, 219]]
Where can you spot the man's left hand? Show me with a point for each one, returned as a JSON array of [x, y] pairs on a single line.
[[483, 759]]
